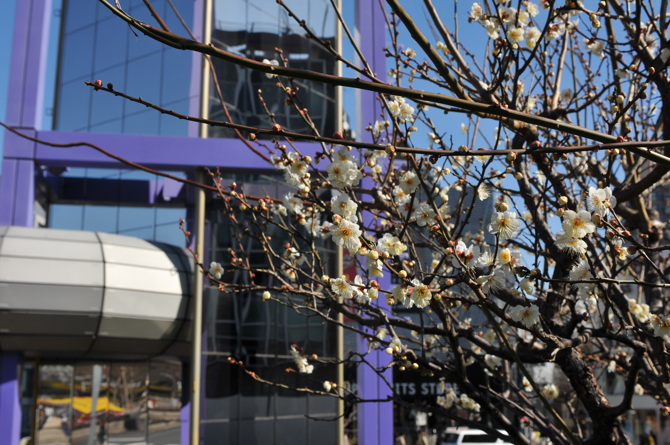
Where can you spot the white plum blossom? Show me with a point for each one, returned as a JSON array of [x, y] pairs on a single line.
[[394, 347], [638, 389], [661, 326], [476, 11], [399, 293], [483, 191], [515, 34], [272, 62], [623, 73], [424, 214], [468, 403], [580, 272], [575, 245], [421, 294], [391, 244], [532, 35], [379, 127], [527, 285], [342, 288], [374, 266], [507, 14], [409, 52], [550, 391], [345, 207], [566, 95], [492, 27], [639, 310], [344, 171], [215, 270], [347, 234], [577, 224], [532, 8], [596, 48], [301, 362], [495, 281], [664, 55], [601, 200], [279, 209], [399, 108], [409, 182], [504, 224], [292, 203], [492, 361], [526, 315], [448, 399]]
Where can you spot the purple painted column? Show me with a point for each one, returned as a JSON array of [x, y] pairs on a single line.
[[25, 99], [375, 420], [17, 192], [17, 183], [185, 416], [10, 405]]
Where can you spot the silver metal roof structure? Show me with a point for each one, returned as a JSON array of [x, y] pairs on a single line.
[[92, 295]]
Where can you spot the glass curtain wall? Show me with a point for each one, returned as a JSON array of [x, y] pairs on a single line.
[[258, 29], [238, 409], [105, 403], [95, 44]]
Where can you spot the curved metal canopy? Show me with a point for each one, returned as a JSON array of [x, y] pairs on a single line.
[[70, 294]]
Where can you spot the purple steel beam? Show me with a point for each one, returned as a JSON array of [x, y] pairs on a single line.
[[10, 406], [25, 99], [375, 420]]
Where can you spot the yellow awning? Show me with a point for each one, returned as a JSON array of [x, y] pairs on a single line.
[[83, 404]]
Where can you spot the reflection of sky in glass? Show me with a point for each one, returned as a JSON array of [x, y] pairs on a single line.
[[97, 45], [255, 29], [150, 223], [267, 16]]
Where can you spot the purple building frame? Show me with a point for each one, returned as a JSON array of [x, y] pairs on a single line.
[[22, 158]]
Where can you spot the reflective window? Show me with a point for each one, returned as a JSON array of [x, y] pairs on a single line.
[[240, 410], [53, 412], [256, 29], [108, 403], [97, 45], [127, 202]]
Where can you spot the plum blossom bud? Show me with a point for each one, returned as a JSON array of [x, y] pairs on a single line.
[[266, 296], [560, 212], [597, 219], [563, 200], [325, 279], [402, 274]]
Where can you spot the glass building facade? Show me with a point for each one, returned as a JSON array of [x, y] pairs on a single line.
[[95, 44], [67, 399], [63, 398]]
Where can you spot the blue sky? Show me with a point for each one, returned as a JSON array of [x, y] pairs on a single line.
[[6, 29]]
